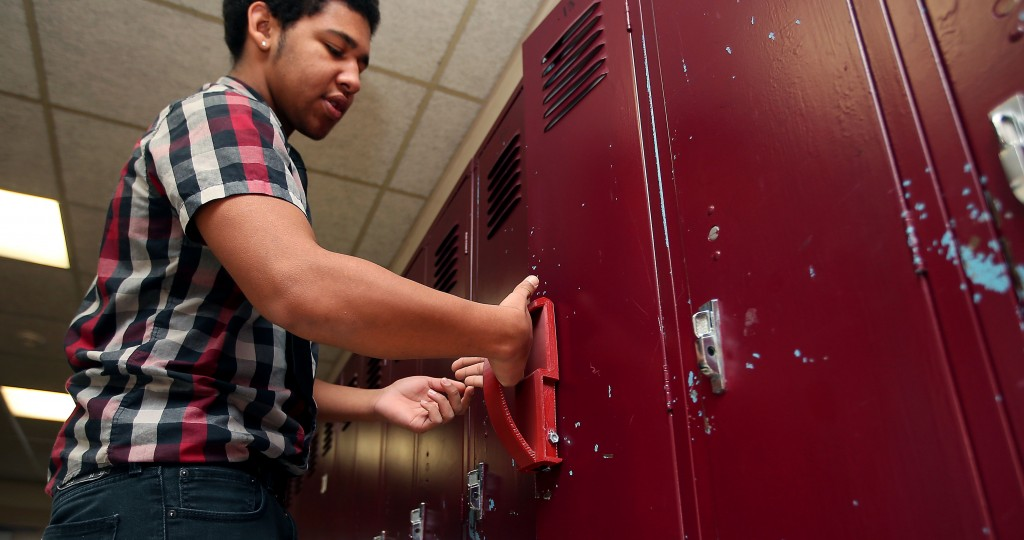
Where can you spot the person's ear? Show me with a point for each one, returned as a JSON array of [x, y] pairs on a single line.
[[262, 29]]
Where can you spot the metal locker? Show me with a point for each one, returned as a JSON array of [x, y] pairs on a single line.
[[500, 499], [439, 471], [590, 202], [792, 205]]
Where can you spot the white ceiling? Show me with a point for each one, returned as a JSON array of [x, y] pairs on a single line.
[[80, 80]]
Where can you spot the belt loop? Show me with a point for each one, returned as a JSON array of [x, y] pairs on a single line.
[[134, 469]]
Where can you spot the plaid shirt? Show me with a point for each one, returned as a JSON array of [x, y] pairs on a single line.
[[172, 364]]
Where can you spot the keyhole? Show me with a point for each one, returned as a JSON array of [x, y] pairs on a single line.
[[711, 351]]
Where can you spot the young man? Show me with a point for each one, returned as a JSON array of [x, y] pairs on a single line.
[[193, 352]]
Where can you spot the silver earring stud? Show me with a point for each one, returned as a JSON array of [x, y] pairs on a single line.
[[263, 44]]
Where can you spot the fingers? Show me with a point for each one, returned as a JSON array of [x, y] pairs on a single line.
[[520, 296], [467, 367]]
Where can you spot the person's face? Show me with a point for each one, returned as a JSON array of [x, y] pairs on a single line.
[[314, 73]]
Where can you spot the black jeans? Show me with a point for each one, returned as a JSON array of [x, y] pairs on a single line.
[[162, 502]]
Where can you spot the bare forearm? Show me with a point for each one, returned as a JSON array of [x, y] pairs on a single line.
[[354, 304], [336, 403]]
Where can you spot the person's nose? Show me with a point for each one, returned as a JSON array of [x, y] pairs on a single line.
[[348, 79]]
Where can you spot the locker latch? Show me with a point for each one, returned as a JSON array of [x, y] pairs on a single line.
[[1008, 119], [416, 518], [709, 345], [475, 483]]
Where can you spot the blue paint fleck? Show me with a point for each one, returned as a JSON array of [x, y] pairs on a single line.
[[906, 195], [966, 191], [490, 504], [984, 179], [798, 21], [750, 366], [963, 287], [684, 67], [977, 298], [924, 215], [771, 36], [796, 353], [967, 167], [595, 448], [689, 379], [984, 271], [728, 50], [1020, 272], [919, 206], [758, 355], [906, 182], [812, 271], [693, 396]]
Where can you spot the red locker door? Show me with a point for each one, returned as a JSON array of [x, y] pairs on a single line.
[[593, 244], [840, 417], [501, 262], [439, 472]]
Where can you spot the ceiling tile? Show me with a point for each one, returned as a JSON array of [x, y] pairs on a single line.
[[30, 347], [86, 233], [25, 149], [364, 144], [209, 7], [339, 210], [494, 31], [437, 136], [32, 290], [92, 154], [16, 60], [414, 35], [141, 56], [389, 227]]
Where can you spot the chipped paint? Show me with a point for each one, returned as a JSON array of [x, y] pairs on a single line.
[[797, 353], [690, 379], [967, 167], [750, 366], [906, 182], [751, 21], [771, 36], [728, 50], [856, 503], [811, 271], [693, 396], [609, 391], [756, 355], [577, 424], [595, 448], [490, 504], [797, 21], [984, 271], [608, 456], [966, 191]]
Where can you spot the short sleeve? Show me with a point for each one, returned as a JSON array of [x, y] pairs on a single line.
[[220, 144]]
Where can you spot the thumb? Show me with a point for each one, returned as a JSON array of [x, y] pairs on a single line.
[[520, 296]]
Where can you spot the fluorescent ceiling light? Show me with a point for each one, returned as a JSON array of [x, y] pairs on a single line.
[[31, 230], [37, 404]]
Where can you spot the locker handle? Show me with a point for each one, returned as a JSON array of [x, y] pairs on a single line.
[[535, 445]]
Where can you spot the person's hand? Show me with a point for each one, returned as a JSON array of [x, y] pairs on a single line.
[[510, 370], [423, 403], [470, 369]]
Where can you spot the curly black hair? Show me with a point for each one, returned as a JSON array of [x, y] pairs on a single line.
[[286, 12]]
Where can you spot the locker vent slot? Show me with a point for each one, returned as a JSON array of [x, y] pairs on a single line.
[[354, 383], [503, 187], [445, 261], [328, 439], [373, 366], [574, 65]]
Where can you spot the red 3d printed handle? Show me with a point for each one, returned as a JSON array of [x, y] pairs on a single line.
[[533, 442]]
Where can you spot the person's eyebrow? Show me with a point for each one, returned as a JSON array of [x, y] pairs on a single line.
[[352, 43]]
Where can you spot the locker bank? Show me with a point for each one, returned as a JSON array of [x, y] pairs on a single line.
[[780, 249]]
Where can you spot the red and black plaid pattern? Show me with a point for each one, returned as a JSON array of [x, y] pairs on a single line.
[[171, 362]]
